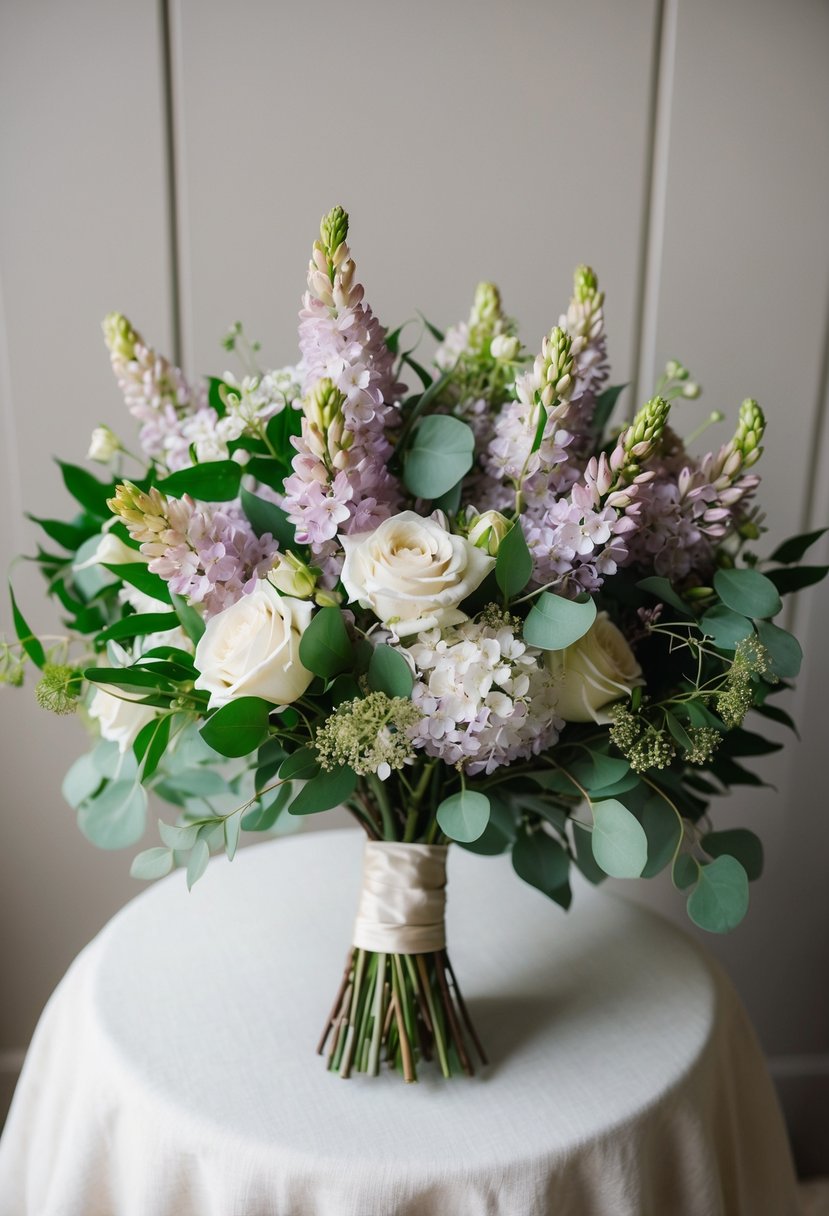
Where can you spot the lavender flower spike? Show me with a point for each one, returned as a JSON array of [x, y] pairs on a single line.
[[341, 482]]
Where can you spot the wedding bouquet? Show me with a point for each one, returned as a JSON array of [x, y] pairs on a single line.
[[473, 612]]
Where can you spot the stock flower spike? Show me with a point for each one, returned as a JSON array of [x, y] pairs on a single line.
[[474, 610]]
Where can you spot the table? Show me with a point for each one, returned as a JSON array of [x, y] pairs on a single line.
[[173, 1071]]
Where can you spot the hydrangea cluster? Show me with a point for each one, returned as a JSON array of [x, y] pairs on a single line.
[[208, 554], [485, 697], [342, 344]]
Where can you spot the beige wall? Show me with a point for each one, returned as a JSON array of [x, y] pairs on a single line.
[[678, 146]]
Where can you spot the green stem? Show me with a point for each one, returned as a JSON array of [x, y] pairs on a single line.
[[378, 789]]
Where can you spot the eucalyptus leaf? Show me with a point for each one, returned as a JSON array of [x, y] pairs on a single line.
[[464, 816], [301, 765], [740, 843], [725, 627], [663, 830], [541, 861], [685, 871], [197, 863], [747, 592], [785, 652], [586, 862], [620, 845], [554, 622], [232, 828], [720, 899], [499, 833], [441, 452], [180, 836], [795, 578], [389, 672], [116, 817], [152, 863], [597, 770], [81, 781]]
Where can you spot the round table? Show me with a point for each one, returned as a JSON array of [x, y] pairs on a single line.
[[173, 1071]]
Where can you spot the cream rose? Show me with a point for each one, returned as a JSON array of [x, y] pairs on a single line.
[[252, 649], [412, 573], [596, 670], [120, 719]]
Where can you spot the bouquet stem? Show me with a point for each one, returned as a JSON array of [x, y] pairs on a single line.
[[401, 1008]]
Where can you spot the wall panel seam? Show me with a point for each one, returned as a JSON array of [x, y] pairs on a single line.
[[655, 203]]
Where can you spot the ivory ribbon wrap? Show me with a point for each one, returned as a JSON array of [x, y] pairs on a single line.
[[403, 898]]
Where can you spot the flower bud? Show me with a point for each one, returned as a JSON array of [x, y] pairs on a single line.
[[488, 530], [292, 577], [103, 445], [504, 347]]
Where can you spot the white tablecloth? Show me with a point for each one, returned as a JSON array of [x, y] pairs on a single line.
[[173, 1072]]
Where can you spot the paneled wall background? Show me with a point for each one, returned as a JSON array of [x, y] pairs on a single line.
[[172, 161]]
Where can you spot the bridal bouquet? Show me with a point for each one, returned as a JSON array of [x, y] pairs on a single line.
[[473, 610]]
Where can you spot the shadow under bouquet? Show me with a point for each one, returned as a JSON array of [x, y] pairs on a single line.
[[475, 612]]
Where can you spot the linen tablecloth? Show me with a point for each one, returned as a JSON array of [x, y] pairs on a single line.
[[173, 1071]]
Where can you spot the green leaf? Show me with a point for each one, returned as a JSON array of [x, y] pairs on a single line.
[[441, 453], [238, 728], [662, 589], [748, 592], [197, 863], [739, 843], [212, 481], [719, 901], [541, 861], [586, 862], [554, 622], [270, 472], [152, 863], [784, 649], [499, 833], [191, 620], [739, 742], [127, 678], [389, 672], [793, 549], [344, 688], [513, 563], [262, 818], [597, 770], [325, 791], [464, 816], [776, 714], [68, 536], [451, 500], [267, 517], [301, 765], [604, 407], [233, 826], [727, 628], [620, 845], [116, 818], [540, 426], [325, 647], [25, 637], [137, 575], [795, 578], [81, 781], [180, 836], [685, 872], [662, 829], [87, 490], [137, 624], [151, 743]]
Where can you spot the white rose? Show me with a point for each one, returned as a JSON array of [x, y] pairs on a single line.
[[121, 720], [252, 649], [412, 573], [595, 670]]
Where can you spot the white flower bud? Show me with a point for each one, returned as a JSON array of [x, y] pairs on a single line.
[[103, 445], [504, 347], [488, 530], [292, 577]]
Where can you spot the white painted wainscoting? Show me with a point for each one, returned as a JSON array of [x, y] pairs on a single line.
[[172, 160]]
